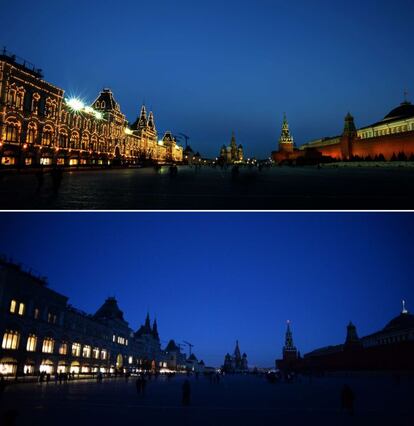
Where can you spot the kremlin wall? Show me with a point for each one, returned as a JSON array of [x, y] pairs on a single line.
[[388, 139]]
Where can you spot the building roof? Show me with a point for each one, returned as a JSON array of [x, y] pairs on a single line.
[[405, 110], [110, 310], [402, 322], [172, 346]]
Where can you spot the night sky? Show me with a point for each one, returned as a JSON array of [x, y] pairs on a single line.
[[209, 67], [213, 278]]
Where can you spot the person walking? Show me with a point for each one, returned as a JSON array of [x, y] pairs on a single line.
[[347, 399]]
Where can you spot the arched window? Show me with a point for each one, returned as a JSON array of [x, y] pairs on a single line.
[[31, 133], [20, 97], [74, 140], [12, 131], [103, 105], [31, 343], [63, 139], [85, 141], [10, 340], [47, 136], [48, 345], [11, 95]]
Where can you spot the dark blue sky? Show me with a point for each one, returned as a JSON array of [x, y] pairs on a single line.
[[214, 278], [207, 68]]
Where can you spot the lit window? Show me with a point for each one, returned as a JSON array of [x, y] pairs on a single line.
[[48, 345], [13, 305], [36, 313], [76, 349], [126, 342], [31, 343], [95, 353], [103, 354], [21, 308], [113, 338], [63, 349], [10, 340], [130, 360], [86, 352]]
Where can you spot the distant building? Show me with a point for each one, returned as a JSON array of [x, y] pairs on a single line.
[[236, 363], [390, 138], [290, 353], [232, 153], [175, 359]]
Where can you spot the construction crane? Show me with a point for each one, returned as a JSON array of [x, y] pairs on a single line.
[[190, 346], [187, 138]]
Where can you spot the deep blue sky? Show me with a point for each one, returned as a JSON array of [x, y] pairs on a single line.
[[207, 68], [213, 278]]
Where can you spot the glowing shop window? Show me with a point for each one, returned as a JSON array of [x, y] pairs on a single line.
[[86, 352], [36, 313], [63, 349], [31, 343], [60, 161], [103, 354], [76, 349], [130, 360], [7, 368], [48, 345], [73, 162], [13, 305], [27, 161], [29, 369], [45, 161], [21, 308], [95, 353], [83, 161], [10, 340], [8, 161], [46, 368], [85, 369]]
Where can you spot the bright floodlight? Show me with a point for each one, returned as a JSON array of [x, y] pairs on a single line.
[[76, 104]]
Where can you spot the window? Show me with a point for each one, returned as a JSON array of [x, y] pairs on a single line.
[[20, 97], [47, 136], [13, 305], [11, 95], [31, 133], [36, 313], [31, 343], [21, 308], [48, 345], [51, 318], [130, 360], [86, 352], [95, 353], [103, 354], [12, 131], [113, 338], [63, 140], [76, 349], [10, 340], [63, 349]]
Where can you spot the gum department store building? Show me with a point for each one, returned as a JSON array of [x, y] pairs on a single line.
[[41, 332], [38, 126]]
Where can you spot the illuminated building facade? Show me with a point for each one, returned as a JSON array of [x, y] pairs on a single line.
[[232, 153], [40, 331], [391, 138], [40, 127], [236, 363]]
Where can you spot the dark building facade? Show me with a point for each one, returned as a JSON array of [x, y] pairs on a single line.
[[41, 332], [236, 363], [40, 127]]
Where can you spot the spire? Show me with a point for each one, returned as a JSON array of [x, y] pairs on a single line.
[[155, 329], [404, 308], [285, 137], [150, 122], [233, 139], [237, 353], [148, 322], [288, 338], [142, 121]]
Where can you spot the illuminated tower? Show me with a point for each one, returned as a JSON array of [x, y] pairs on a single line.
[[151, 123], [348, 136], [233, 148], [290, 352], [142, 120], [286, 143]]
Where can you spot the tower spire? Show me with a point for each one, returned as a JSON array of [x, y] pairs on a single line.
[[404, 308], [286, 142]]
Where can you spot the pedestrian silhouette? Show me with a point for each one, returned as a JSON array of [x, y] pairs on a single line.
[[186, 392], [347, 399]]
